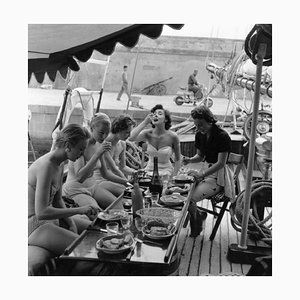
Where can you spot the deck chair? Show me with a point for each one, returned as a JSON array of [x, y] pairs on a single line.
[[235, 162]]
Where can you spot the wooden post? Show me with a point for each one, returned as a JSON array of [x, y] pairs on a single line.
[[102, 86], [136, 60], [260, 56]]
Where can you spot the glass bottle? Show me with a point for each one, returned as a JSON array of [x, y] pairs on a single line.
[[156, 185], [137, 196]]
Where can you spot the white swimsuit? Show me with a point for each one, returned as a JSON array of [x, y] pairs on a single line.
[[164, 154]]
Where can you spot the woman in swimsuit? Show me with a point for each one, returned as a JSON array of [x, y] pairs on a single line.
[[116, 159], [161, 142], [89, 181], [45, 205]]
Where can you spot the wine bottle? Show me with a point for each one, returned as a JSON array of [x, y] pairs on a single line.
[[137, 196], [156, 185]]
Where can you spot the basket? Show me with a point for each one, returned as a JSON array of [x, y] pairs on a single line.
[[159, 214]]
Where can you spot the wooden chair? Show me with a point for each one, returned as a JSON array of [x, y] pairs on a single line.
[[235, 162]]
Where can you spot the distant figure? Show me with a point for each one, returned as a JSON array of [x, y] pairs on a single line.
[[194, 87], [124, 87]]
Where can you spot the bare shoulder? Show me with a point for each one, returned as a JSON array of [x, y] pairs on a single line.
[[173, 135]]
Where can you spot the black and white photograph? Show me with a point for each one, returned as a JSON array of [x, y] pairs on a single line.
[[146, 132]]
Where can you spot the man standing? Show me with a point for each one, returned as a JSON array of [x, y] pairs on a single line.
[[124, 87]]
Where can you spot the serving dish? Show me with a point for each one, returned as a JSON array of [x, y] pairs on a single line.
[[183, 178], [159, 214], [115, 244], [174, 199], [112, 215], [158, 230]]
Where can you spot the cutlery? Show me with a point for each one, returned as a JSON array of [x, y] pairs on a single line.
[[148, 242]]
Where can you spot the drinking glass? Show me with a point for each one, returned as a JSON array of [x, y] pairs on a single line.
[[165, 180], [125, 221], [139, 223], [112, 228], [154, 199]]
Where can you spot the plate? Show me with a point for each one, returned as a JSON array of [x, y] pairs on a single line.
[[172, 200], [183, 178], [176, 189], [158, 230], [112, 215], [115, 244]]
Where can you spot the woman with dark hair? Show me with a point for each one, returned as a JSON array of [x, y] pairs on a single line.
[[213, 146], [115, 158], [161, 141]]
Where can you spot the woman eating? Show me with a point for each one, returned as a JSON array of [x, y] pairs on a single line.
[[45, 205], [161, 141]]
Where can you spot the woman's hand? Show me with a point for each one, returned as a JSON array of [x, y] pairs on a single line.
[[186, 160], [198, 176], [101, 148], [90, 211]]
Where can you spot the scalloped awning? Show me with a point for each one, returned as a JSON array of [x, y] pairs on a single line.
[[52, 47]]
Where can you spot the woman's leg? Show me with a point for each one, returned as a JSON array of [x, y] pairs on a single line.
[[52, 238], [205, 189], [82, 222], [84, 199], [103, 196], [115, 188]]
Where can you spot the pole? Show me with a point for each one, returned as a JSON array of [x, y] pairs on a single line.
[[260, 56], [136, 60], [102, 86]]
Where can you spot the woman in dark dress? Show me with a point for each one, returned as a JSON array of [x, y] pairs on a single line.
[[213, 146]]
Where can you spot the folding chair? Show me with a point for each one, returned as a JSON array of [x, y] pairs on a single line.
[[235, 162]]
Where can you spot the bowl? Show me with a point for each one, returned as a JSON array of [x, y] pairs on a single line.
[[159, 214], [183, 178]]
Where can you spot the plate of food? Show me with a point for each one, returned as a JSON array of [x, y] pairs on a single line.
[[176, 189], [183, 178], [174, 199], [112, 215], [158, 230], [115, 244]]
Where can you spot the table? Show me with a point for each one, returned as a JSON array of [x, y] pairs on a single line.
[[146, 257]]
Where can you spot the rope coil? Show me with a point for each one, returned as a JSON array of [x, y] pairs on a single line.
[[260, 228]]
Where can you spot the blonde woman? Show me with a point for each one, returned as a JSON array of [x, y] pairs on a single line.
[[89, 181], [45, 205]]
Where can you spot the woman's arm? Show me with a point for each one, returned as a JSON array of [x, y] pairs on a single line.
[[42, 209], [177, 152], [85, 165], [107, 174], [198, 157], [122, 157], [221, 162], [112, 165], [138, 133]]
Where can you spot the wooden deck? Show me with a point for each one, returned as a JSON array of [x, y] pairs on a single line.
[[202, 257]]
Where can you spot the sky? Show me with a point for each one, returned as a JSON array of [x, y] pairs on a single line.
[[214, 30]]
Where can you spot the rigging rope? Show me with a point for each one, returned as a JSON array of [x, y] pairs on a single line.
[[262, 229]]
